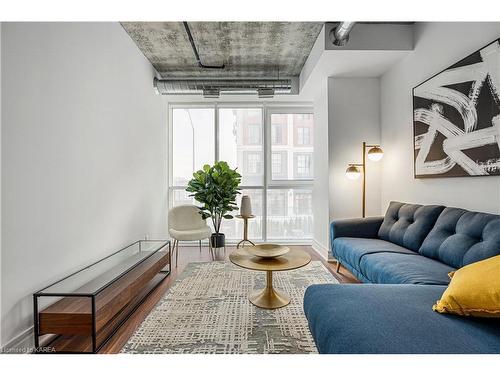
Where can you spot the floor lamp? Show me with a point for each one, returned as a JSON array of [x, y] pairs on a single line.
[[353, 170]]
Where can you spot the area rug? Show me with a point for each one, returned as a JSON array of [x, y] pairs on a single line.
[[207, 311]]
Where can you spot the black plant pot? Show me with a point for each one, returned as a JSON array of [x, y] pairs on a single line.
[[218, 240]]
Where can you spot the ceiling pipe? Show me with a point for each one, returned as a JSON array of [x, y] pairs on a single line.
[[195, 50], [340, 35]]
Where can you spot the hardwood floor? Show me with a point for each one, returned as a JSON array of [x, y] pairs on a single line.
[[188, 255]]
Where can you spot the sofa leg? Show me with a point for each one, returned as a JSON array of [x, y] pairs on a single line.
[[338, 267]]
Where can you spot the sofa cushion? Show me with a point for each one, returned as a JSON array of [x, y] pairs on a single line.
[[461, 237], [408, 224], [394, 268], [351, 250], [367, 318]]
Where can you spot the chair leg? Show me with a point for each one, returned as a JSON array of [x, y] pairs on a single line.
[[338, 267], [177, 254], [173, 249], [211, 249]]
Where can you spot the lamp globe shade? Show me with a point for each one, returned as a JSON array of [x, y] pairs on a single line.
[[375, 153], [352, 172]]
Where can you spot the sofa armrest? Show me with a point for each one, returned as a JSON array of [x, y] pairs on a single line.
[[360, 228]]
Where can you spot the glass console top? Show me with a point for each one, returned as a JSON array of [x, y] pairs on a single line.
[[93, 278]]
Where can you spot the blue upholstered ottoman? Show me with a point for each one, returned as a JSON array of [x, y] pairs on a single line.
[[373, 318]]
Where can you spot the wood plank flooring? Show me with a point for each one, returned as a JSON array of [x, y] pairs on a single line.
[[188, 255]]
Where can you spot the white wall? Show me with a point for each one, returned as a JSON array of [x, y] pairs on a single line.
[[353, 117], [437, 46], [0, 175], [311, 62], [320, 189], [83, 154]]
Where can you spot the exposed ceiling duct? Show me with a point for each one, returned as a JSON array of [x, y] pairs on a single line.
[[213, 88], [340, 35]]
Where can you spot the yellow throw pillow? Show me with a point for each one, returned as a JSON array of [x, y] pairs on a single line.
[[474, 290]]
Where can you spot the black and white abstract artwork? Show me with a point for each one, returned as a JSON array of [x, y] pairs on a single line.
[[456, 118]]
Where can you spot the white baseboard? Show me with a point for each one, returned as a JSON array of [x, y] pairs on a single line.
[[320, 249]]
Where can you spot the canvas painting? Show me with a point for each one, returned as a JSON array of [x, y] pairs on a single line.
[[456, 118]]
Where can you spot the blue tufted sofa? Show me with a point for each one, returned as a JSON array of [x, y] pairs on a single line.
[[403, 259]]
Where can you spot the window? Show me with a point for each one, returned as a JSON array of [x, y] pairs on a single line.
[[281, 202], [277, 134], [277, 205], [303, 166], [240, 142], [193, 134], [289, 214], [253, 134], [278, 130], [303, 203], [302, 126], [253, 163], [279, 165], [303, 136], [181, 196], [303, 129]]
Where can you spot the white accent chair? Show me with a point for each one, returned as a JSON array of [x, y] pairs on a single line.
[[185, 224]]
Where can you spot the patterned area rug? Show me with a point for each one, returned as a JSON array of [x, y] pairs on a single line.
[[207, 311]]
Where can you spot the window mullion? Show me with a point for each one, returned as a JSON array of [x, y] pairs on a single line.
[[216, 129], [266, 132]]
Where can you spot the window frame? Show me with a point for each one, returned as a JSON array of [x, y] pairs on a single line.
[[268, 109]]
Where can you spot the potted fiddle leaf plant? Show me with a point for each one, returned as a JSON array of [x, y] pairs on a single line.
[[216, 188]]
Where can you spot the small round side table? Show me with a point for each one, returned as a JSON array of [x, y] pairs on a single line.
[[245, 230]]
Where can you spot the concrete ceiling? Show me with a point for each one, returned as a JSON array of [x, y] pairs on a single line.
[[248, 49]]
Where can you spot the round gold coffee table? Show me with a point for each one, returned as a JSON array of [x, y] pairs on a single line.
[[270, 298]]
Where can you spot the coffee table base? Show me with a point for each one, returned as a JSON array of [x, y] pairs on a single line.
[[269, 298]]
